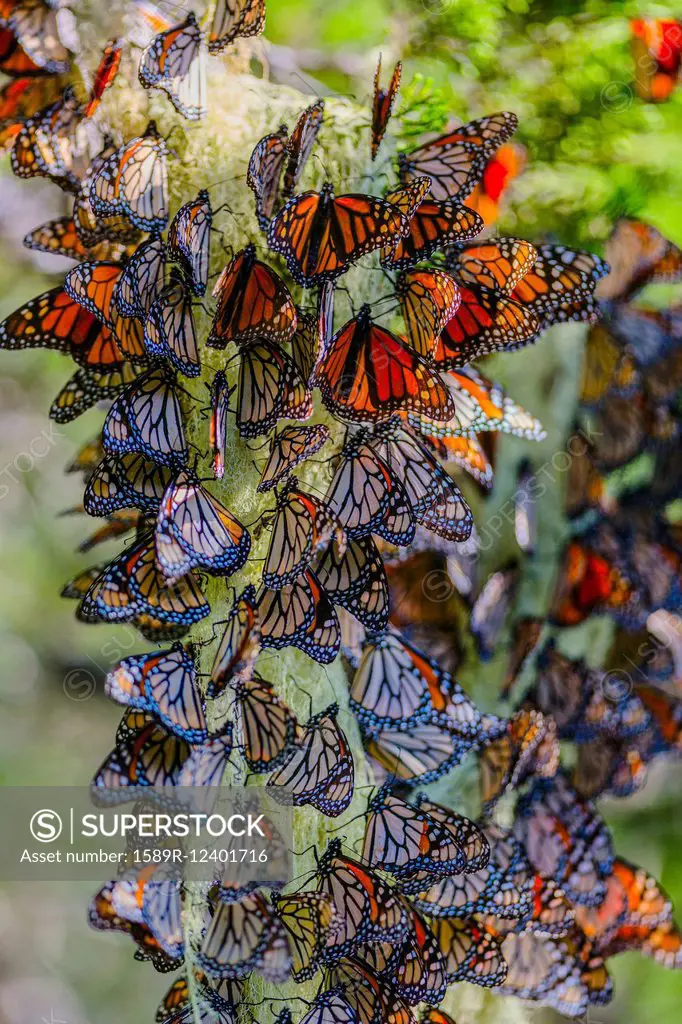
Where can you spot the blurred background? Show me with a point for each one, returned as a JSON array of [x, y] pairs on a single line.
[[592, 151]]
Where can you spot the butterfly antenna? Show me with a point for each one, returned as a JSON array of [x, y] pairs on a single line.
[[310, 701]]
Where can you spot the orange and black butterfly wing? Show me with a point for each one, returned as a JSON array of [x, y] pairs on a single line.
[[382, 104], [369, 373], [560, 281], [299, 145], [319, 236], [434, 225], [264, 173], [54, 321], [455, 162], [486, 321]]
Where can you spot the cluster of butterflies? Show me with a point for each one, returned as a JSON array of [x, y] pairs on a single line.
[[433, 898], [657, 55], [624, 561], [625, 557]]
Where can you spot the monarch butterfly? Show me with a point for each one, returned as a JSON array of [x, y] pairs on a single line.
[[86, 388], [365, 497], [320, 235], [657, 53], [435, 1016], [565, 839], [116, 907], [368, 909], [253, 304], [382, 104], [634, 900], [13, 59], [234, 18], [396, 686], [480, 405], [428, 300], [330, 1007], [309, 343], [302, 526], [424, 754], [267, 728], [133, 182], [354, 578], [529, 746], [194, 530], [189, 239], [54, 320], [244, 936], [214, 1006], [587, 582], [92, 285], [421, 976], [239, 645], [466, 452], [165, 685], [145, 754], [141, 280], [220, 406], [169, 328], [638, 254], [485, 321], [126, 481], [175, 62], [574, 696], [526, 633], [308, 917], [36, 25], [105, 74], [503, 887], [608, 367], [455, 161], [147, 418], [404, 841], [61, 238], [436, 501], [433, 225], [469, 836], [264, 172], [91, 228], [119, 523], [132, 585], [552, 972], [471, 952], [371, 997], [552, 915], [491, 608], [269, 388], [558, 277], [87, 458], [318, 770], [54, 143], [207, 761], [301, 615], [299, 145], [368, 373], [642, 335], [21, 99], [498, 264], [289, 447]]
